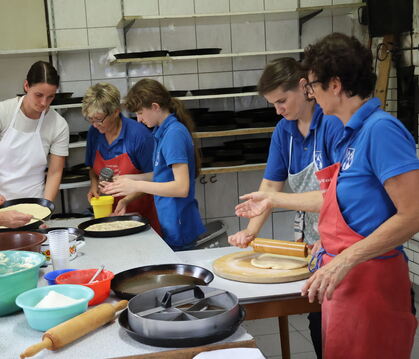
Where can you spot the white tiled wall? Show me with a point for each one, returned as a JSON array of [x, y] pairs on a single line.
[[93, 23]]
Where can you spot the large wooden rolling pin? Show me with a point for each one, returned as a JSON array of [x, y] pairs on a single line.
[[286, 248], [74, 328]]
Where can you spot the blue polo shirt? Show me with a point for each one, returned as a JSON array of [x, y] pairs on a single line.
[[179, 217], [134, 139], [375, 147], [328, 130]]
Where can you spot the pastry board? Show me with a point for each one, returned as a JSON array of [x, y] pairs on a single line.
[[237, 266]]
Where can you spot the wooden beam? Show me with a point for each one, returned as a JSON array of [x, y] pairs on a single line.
[[384, 65]]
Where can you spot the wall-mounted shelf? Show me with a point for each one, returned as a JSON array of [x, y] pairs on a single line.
[[241, 168], [184, 98], [340, 9], [60, 107], [77, 144], [75, 185], [238, 132], [52, 50], [200, 57]]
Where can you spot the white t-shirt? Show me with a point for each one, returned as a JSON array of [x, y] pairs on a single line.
[[54, 130]]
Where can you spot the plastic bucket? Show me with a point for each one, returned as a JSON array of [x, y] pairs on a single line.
[[102, 206]]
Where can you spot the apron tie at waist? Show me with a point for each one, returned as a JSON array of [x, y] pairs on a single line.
[[319, 257]]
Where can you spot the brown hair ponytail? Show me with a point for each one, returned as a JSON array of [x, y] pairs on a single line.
[[147, 91]]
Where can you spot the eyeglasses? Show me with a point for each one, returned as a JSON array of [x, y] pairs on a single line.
[[309, 86], [95, 121]]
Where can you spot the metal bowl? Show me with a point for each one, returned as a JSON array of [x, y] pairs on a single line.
[[21, 241]]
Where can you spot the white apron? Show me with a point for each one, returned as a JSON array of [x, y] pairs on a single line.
[[22, 161], [305, 223]]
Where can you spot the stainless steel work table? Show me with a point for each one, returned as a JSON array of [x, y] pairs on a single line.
[[122, 253]]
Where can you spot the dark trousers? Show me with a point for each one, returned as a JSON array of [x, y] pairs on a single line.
[[315, 327]]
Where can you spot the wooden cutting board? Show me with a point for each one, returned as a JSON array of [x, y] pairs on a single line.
[[237, 266]]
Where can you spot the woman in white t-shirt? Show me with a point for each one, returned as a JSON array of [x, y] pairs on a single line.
[[32, 138]]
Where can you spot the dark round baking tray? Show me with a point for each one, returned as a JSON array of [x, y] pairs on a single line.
[[35, 225], [141, 54], [73, 177], [179, 342], [178, 93], [193, 52], [216, 91], [66, 101], [117, 233], [157, 276]]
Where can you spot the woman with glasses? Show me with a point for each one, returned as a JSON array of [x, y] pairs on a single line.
[[301, 145], [32, 138], [175, 160], [120, 144], [368, 210]]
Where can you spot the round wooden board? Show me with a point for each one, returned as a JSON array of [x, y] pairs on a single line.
[[237, 266]]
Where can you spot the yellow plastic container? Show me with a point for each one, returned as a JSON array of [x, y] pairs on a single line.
[[102, 206]]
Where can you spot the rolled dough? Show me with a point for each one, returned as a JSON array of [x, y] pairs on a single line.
[[275, 261]]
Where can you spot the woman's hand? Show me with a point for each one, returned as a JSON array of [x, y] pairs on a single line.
[[325, 280], [316, 247], [121, 186], [14, 219], [241, 239], [256, 203], [93, 192], [121, 207]]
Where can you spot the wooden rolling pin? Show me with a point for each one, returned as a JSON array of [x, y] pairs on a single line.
[[74, 328], [286, 248]]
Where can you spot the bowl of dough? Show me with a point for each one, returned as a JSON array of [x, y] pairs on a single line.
[[21, 241], [46, 307], [19, 271]]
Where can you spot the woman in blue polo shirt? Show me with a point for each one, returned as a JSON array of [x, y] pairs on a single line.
[[119, 143], [301, 145], [175, 162], [369, 208]]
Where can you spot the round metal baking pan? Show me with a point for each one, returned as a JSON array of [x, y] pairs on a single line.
[[134, 281], [35, 225], [116, 233], [179, 342]]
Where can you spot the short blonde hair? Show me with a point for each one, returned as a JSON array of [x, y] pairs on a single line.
[[101, 98]]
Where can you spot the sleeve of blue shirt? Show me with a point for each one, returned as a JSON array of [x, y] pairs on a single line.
[[277, 165], [142, 151], [90, 147], [175, 146], [392, 151]]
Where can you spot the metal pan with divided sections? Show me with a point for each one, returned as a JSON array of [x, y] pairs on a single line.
[[41, 201], [182, 316], [129, 283], [116, 233]]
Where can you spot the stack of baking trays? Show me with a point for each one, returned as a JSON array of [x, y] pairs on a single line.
[[77, 173], [235, 153]]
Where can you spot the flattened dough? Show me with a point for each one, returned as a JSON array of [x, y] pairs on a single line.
[[275, 261], [113, 226], [34, 209]]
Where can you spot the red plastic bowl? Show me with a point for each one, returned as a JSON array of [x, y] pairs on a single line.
[[101, 288]]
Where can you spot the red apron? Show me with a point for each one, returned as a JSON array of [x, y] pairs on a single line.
[[122, 165], [370, 314]]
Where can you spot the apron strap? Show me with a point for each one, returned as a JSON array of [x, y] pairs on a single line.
[[40, 120], [319, 257]]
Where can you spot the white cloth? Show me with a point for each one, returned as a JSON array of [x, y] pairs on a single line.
[[54, 130], [242, 353]]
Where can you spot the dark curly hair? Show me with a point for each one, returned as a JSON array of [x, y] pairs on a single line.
[[342, 56]]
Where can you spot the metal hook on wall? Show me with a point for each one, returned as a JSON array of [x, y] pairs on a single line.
[[202, 180], [213, 179]]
